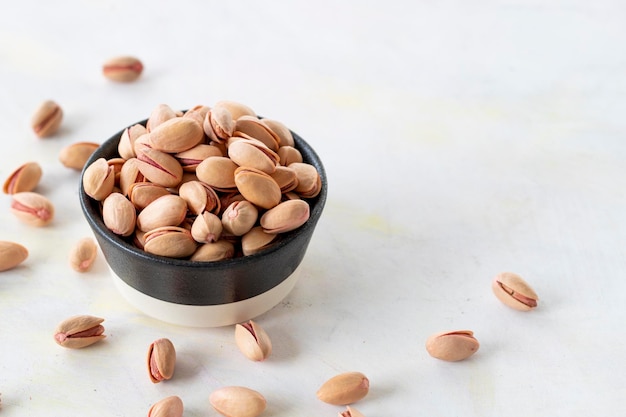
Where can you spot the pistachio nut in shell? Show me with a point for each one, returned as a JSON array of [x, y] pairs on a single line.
[[191, 158], [75, 156], [257, 187], [79, 331], [221, 122], [253, 127], [199, 196], [236, 401], [235, 108], [161, 113], [126, 145], [345, 388], [171, 406], [452, 346], [141, 194], [309, 180], [47, 119], [218, 172], [214, 251], [253, 341], [83, 254], [24, 178], [11, 255], [350, 412], [282, 131], [168, 210], [286, 216], [256, 240], [286, 178], [98, 179], [253, 153], [176, 135], [161, 360], [172, 241], [32, 208], [239, 217], [119, 214], [159, 167], [514, 292], [206, 228], [289, 155], [122, 68]]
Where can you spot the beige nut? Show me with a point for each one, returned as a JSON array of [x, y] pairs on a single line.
[[286, 216], [75, 156], [119, 214], [176, 135], [11, 255], [253, 341], [286, 178], [161, 113], [250, 126], [83, 254], [168, 210], [79, 331], [218, 172], [200, 197], [309, 180], [257, 187], [214, 251], [24, 178], [235, 401], [350, 412], [129, 175], [47, 119], [32, 208], [159, 167], [345, 388], [122, 68], [141, 194], [452, 346], [280, 130], [171, 241], [235, 108], [253, 153], [161, 360], [167, 407], [256, 240], [239, 217], [206, 228], [289, 155], [221, 123], [126, 146], [99, 179], [514, 292], [191, 158]]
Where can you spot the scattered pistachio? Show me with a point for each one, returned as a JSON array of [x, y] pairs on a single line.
[[11, 255], [161, 360], [452, 346], [24, 178], [122, 69], [83, 254], [32, 208], [345, 388], [79, 331], [253, 341], [167, 407], [237, 401], [350, 412], [47, 119], [75, 156], [514, 292]]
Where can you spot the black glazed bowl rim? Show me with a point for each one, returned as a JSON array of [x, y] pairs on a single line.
[[183, 281]]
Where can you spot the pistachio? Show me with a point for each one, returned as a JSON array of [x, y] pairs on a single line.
[[452, 346], [126, 146], [257, 187], [83, 254], [161, 360], [167, 407], [198, 113], [514, 292], [47, 119], [119, 215], [256, 240], [253, 153], [191, 158], [239, 217], [236, 109], [286, 216], [99, 179], [206, 228], [75, 156], [176, 135], [214, 251], [253, 341], [172, 241], [169, 210], [289, 155], [221, 121], [141, 194], [351, 412], [79, 331], [200, 197], [345, 388], [309, 180], [253, 127], [24, 178], [282, 131], [237, 401], [160, 114], [122, 68], [218, 172], [286, 178], [129, 175], [32, 208], [11, 255], [159, 167]]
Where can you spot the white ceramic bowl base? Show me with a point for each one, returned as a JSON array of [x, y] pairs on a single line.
[[210, 315]]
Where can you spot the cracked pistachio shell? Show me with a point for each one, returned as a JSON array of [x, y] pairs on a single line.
[[256, 240], [286, 216], [126, 146], [206, 228], [176, 135], [514, 292], [350, 412], [198, 113], [289, 155], [172, 241], [83, 254], [200, 197], [160, 114], [236, 401], [221, 123], [257, 187], [141, 194], [79, 331], [345, 388], [214, 251], [252, 127], [167, 407], [280, 130], [119, 214], [218, 172], [253, 153], [47, 119], [286, 178], [159, 167], [161, 360], [239, 217], [32, 208], [253, 341], [24, 178], [309, 180], [11, 255], [236, 109], [452, 346], [99, 179], [168, 210], [141, 144], [129, 175], [191, 158], [75, 156]]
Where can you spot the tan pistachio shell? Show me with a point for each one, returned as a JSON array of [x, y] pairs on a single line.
[[198, 113], [141, 194], [280, 130], [171, 406], [253, 341], [345, 388], [214, 251], [119, 214], [79, 331], [122, 68], [176, 135], [24, 178], [200, 197], [129, 175], [221, 123], [47, 119], [257, 187], [256, 240], [286, 178], [350, 412], [171, 241], [513, 291], [235, 401], [253, 153], [161, 360], [206, 228], [452, 346], [75, 156], [11, 255], [253, 127], [159, 167], [191, 158], [83, 254], [168, 210], [218, 172], [239, 217], [160, 114], [286, 216], [309, 180], [289, 155], [236, 109], [32, 208], [99, 179], [126, 145]]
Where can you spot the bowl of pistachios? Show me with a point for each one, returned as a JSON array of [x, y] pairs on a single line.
[[204, 215]]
